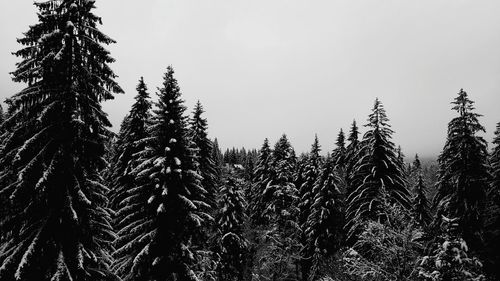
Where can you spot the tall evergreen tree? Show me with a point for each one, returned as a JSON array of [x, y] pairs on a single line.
[[132, 130], [230, 222], [312, 169], [421, 206], [169, 200], [340, 151], [351, 154], [2, 115], [125, 188], [326, 219], [377, 178], [58, 226], [262, 176], [492, 221], [417, 165], [199, 135], [463, 174]]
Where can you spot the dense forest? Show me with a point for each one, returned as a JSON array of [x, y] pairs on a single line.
[[160, 200]]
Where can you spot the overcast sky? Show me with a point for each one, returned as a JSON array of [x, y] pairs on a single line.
[[262, 68]]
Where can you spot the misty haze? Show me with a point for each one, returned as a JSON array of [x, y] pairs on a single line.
[[249, 140]]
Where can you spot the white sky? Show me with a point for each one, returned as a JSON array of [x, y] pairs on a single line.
[[266, 67]]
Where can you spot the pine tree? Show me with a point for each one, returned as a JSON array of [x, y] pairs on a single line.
[[463, 174], [218, 158], [306, 198], [262, 176], [280, 200], [421, 207], [417, 165], [126, 190], [351, 154], [450, 259], [58, 226], [2, 115], [492, 220], [230, 223], [326, 219], [340, 151], [168, 202], [199, 135], [281, 192], [377, 177], [132, 130]]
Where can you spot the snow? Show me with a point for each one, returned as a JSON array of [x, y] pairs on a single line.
[[172, 140], [177, 161], [73, 6], [171, 122], [161, 208], [167, 149], [165, 192], [69, 24], [151, 199]]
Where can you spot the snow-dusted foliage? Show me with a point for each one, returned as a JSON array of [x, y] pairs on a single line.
[[450, 258], [386, 251], [351, 157], [262, 177], [207, 169], [421, 205], [492, 212], [377, 175], [463, 172], [127, 196], [58, 226], [230, 220], [168, 199], [324, 225]]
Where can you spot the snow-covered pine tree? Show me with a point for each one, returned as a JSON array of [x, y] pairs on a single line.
[[168, 200], [132, 130], [309, 175], [417, 165], [492, 220], [218, 158], [324, 226], [230, 221], [281, 191], [125, 193], [58, 226], [339, 154], [280, 201], [421, 206], [450, 259], [198, 134], [2, 115], [262, 176], [351, 154], [377, 176], [463, 172]]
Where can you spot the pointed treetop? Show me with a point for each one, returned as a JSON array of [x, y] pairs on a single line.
[[353, 134], [340, 140], [416, 163], [378, 117], [316, 147]]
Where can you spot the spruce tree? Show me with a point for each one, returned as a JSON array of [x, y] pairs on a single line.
[[230, 222], [166, 207], [280, 193], [58, 225], [492, 213], [463, 173], [132, 130], [377, 178], [309, 175], [262, 176], [339, 154], [421, 206], [326, 218], [125, 187], [199, 135], [2, 115], [350, 156], [417, 165]]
